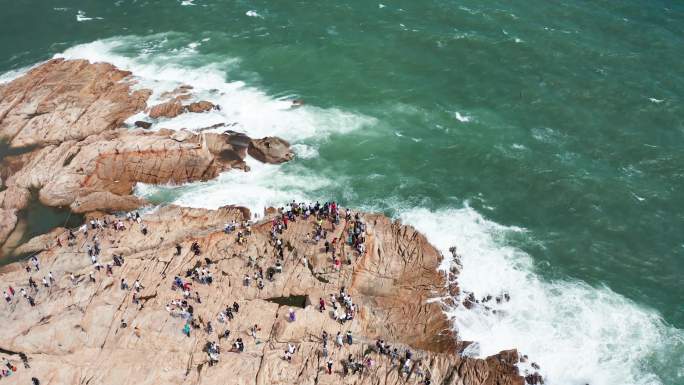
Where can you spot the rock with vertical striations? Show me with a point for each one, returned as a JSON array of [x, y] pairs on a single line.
[[75, 330]]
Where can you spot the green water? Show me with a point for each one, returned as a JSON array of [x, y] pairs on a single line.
[[575, 131]]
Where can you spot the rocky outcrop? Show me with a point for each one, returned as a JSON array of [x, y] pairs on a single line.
[[68, 116], [271, 150], [41, 242], [88, 329], [169, 109], [74, 333], [77, 97], [175, 107]]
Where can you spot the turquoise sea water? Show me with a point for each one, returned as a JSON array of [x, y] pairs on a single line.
[[544, 138]]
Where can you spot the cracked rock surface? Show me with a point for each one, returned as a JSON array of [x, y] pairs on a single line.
[[74, 335], [65, 118]]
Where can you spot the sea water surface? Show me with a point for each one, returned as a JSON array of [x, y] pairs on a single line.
[[544, 139]]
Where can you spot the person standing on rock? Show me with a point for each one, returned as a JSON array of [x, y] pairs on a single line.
[[8, 298], [338, 339], [35, 262], [349, 337], [330, 365], [186, 329], [291, 315]]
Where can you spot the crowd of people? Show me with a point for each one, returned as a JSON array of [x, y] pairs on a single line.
[[342, 247]]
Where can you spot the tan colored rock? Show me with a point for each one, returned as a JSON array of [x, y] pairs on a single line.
[[75, 330], [201, 106], [169, 109], [41, 242], [64, 100], [87, 162], [105, 200], [175, 107], [270, 150], [8, 219], [181, 92]]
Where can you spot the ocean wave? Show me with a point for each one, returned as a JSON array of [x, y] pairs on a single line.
[[81, 16], [244, 108], [462, 118], [304, 151], [579, 334], [263, 186]]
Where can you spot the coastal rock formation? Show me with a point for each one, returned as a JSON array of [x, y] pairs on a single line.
[[169, 109], [90, 328], [66, 115], [75, 333], [174, 107], [62, 100], [270, 150]]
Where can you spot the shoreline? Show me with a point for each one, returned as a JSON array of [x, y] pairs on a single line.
[[95, 160]]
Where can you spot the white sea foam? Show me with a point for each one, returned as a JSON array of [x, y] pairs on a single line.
[[243, 108], [13, 74], [263, 186], [656, 101], [252, 13], [578, 334], [81, 16], [187, 2], [304, 151], [462, 118]]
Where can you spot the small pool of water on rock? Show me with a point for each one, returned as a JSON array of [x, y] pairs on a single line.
[[301, 301], [39, 219]]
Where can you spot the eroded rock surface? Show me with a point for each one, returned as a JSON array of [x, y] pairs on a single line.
[[270, 150], [74, 333], [67, 114], [76, 97]]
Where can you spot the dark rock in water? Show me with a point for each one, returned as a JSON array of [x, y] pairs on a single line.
[[535, 365], [142, 124], [507, 297], [470, 301], [508, 356], [534, 379], [237, 139], [487, 298]]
